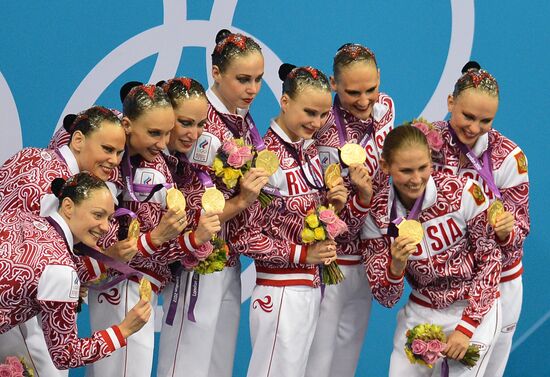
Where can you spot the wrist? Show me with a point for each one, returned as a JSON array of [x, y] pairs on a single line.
[[124, 331], [396, 272], [156, 239]]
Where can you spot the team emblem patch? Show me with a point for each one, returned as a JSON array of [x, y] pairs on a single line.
[[477, 194], [40, 225], [202, 148], [521, 162], [45, 156]]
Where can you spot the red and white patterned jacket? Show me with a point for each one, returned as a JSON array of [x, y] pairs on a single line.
[[38, 276], [509, 166], [328, 143], [272, 235], [457, 259], [217, 131], [25, 185], [60, 138]]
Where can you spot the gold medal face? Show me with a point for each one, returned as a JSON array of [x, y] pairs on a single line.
[[494, 211], [175, 199], [413, 229], [353, 154], [133, 229], [268, 161], [212, 200], [332, 174], [145, 290]]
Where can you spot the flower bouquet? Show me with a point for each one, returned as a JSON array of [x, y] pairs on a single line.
[[15, 367], [426, 342], [234, 158], [319, 224], [208, 258], [434, 137]]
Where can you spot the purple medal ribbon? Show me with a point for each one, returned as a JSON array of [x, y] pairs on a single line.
[[413, 215], [257, 140], [108, 261], [175, 297], [484, 168], [444, 368], [194, 297], [339, 120]]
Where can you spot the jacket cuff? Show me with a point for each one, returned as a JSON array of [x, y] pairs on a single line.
[[393, 279], [113, 337], [467, 326], [145, 245], [298, 253], [187, 242]]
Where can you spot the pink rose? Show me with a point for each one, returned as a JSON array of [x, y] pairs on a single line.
[[204, 251], [436, 346], [422, 127], [336, 228], [246, 153], [5, 370], [327, 216], [430, 357], [235, 160], [434, 140], [229, 147], [15, 364], [419, 347], [188, 261]]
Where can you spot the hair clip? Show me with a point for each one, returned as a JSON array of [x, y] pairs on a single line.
[[312, 71], [238, 40]]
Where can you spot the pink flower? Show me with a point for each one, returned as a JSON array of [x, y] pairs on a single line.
[[229, 147], [336, 228], [245, 152], [434, 140], [15, 364], [204, 251], [327, 216], [5, 370], [430, 357], [188, 261], [422, 127], [235, 160], [419, 347], [436, 346]]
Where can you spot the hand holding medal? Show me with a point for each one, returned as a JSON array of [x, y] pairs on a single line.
[[352, 153], [145, 290], [332, 175], [501, 220]]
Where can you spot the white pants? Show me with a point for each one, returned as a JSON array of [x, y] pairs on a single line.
[[282, 326], [413, 314], [343, 320], [205, 347], [511, 297], [109, 308], [27, 340]]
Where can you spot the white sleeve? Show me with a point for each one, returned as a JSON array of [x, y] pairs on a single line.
[[58, 283]]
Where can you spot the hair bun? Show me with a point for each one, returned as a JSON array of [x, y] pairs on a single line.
[[125, 89], [284, 70], [57, 186], [222, 34], [161, 83], [68, 121], [470, 65]]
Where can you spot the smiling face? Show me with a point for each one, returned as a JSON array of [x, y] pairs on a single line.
[[149, 133], [357, 86], [410, 168], [241, 81], [89, 219], [472, 114], [99, 151], [190, 121], [304, 114]]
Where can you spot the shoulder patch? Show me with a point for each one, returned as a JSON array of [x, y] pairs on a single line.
[[477, 194], [521, 162], [45, 156], [58, 283], [202, 148]]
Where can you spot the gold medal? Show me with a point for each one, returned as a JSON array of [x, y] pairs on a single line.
[[175, 199], [212, 200], [268, 161], [413, 229], [495, 210], [145, 290], [353, 154], [133, 229], [332, 173]]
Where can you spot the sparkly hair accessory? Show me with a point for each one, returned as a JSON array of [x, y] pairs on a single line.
[[482, 77], [150, 90], [185, 81], [312, 71], [354, 50], [238, 40]]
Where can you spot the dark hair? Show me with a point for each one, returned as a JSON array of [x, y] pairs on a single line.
[[295, 79], [229, 46], [141, 98], [403, 136], [89, 120], [475, 77], [350, 53], [77, 188], [182, 88]]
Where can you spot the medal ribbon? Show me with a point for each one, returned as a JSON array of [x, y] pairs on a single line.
[[413, 214], [340, 126], [83, 249], [175, 296], [296, 155], [257, 140], [194, 297], [484, 168]]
